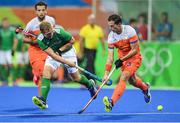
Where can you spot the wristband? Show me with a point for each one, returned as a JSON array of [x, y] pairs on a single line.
[[108, 67], [59, 52]]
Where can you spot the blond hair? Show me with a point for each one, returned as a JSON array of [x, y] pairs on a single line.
[[44, 26]]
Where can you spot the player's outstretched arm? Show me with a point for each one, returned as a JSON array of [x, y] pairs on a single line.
[[109, 62], [132, 52], [29, 37], [67, 46], [29, 40]]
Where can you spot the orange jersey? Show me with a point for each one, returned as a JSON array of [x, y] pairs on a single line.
[[35, 53], [124, 41]]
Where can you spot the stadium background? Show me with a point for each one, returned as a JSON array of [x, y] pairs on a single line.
[[72, 15], [160, 66]]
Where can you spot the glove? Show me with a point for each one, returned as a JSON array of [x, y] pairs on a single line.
[[118, 63], [12, 52], [59, 52]]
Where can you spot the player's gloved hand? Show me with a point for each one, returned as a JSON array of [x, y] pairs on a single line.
[[118, 63], [18, 30], [12, 52]]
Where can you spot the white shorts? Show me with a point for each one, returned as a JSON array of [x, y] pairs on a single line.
[[69, 55], [5, 57], [22, 58]]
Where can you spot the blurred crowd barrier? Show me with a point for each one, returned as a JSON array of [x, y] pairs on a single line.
[[150, 9], [72, 14], [160, 59]]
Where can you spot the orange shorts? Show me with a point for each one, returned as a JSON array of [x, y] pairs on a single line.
[[131, 65], [38, 67], [37, 60]]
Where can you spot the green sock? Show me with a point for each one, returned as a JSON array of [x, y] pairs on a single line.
[[23, 69], [21, 72], [45, 86], [4, 73], [14, 73], [85, 81]]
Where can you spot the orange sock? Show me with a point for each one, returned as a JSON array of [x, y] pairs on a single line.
[[118, 91], [139, 84]]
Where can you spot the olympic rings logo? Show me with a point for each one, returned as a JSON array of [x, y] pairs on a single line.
[[161, 58]]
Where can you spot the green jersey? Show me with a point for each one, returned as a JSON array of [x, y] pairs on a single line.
[[7, 38], [60, 38]]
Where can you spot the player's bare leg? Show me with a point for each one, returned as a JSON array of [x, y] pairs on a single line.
[[118, 92], [145, 87]]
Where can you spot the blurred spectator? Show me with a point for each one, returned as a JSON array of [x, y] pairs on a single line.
[[8, 43], [164, 29], [90, 35], [142, 27], [123, 20], [133, 23], [37, 57], [22, 58]]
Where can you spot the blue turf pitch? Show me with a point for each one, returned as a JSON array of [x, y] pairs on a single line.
[[64, 103]]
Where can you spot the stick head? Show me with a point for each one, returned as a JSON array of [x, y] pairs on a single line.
[[81, 111], [109, 82]]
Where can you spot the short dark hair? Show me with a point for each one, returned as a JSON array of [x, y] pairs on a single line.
[[132, 20], [116, 18], [165, 14], [41, 3], [5, 19]]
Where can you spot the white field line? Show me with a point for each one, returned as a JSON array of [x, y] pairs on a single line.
[[92, 114]]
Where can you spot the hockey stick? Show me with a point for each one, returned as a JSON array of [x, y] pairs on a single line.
[[94, 76], [21, 30], [84, 108]]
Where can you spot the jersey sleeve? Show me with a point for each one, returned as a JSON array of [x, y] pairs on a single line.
[[40, 42], [133, 38], [111, 40], [64, 34], [28, 27], [53, 22], [13, 32], [82, 32], [170, 27], [101, 33]]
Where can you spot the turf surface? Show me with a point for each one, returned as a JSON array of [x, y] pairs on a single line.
[[64, 103]]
